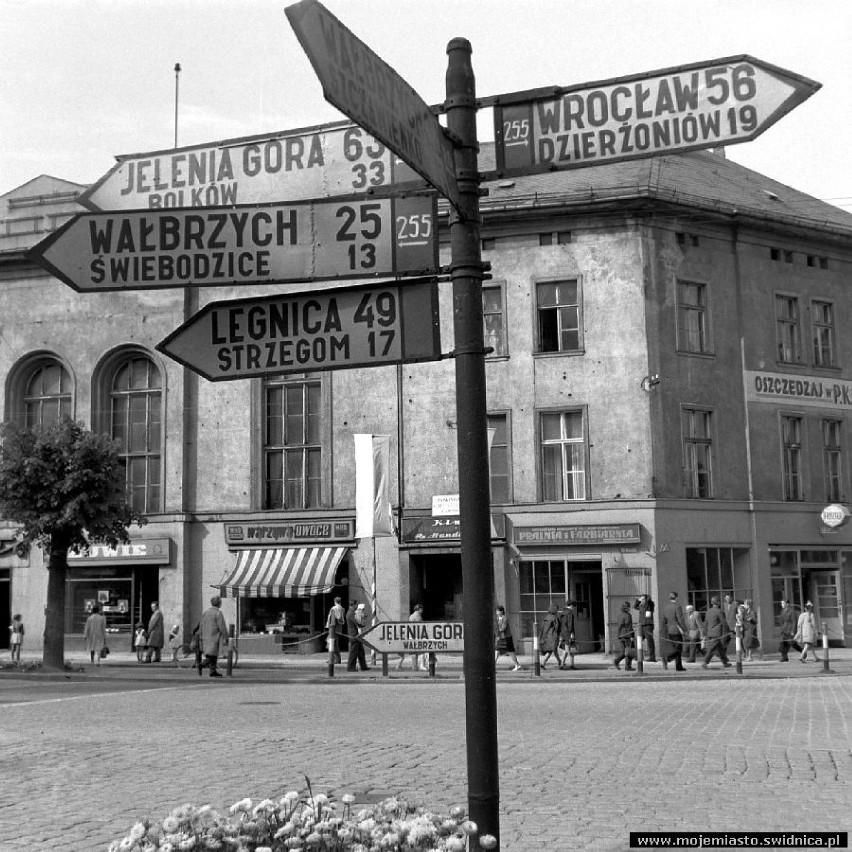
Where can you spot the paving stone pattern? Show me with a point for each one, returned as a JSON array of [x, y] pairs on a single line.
[[582, 763]]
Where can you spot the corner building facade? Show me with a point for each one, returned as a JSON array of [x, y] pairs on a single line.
[[669, 397]]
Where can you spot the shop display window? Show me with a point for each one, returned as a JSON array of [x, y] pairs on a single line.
[[111, 590], [289, 616]]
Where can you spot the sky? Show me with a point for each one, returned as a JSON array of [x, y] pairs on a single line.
[[86, 80]]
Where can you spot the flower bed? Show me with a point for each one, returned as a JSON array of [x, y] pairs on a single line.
[[310, 823]]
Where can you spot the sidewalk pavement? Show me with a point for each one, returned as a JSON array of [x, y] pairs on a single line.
[[315, 668]]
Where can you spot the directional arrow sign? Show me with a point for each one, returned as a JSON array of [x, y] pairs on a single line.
[[339, 159], [373, 95], [415, 637], [318, 330], [702, 105], [245, 244]]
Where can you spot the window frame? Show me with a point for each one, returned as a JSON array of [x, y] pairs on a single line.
[[833, 489], [264, 501], [691, 442], [792, 481], [829, 328], [104, 395], [702, 310], [20, 377], [583, 442], [504, 325], [506, 414], [538, 351], [788, 330]]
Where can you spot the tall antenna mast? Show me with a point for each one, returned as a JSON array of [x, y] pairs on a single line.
[[177, 88]]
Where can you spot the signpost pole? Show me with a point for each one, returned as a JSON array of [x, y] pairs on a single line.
[[475, 505]]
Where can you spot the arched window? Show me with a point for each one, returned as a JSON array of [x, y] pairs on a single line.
[[135, 409], [47, 395]]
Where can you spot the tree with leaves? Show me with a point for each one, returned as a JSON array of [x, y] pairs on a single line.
[[65, 486]]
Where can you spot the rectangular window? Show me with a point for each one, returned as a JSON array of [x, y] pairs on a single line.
[[563, 456], [692, 317], [292, 446], [697, 452], [822, 322], [715, 572], [832, 453], [494, 318], [787, 329], [498, 437], [791, 444], [559, 314]]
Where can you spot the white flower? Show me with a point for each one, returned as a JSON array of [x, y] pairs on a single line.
[[293, 843], [137, 832], [469, 827], [457, 812], [244, 806], [420, 830], [126, 844], [320, 799], [170, 824], [313, 839], [265, 805], [263, 849], [390, 840], [347, 798], [488, 841], [456, 844], [186, 845]]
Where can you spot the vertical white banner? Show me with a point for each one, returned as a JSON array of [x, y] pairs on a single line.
[[372, 498]]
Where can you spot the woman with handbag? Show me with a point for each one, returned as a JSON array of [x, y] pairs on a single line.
[[807, 633], [94, 635], [504, 643]]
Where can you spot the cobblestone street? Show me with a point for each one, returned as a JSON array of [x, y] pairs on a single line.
[[582, 762]]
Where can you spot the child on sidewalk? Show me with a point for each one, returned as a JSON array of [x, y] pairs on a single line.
[[140, 641], [174, 643]]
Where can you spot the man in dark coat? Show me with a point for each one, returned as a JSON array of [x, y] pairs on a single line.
[[673, 627], [645, 606], [356, 646], [788, 630], [566, 633], [730, 615], [625, 637], [715, 629]]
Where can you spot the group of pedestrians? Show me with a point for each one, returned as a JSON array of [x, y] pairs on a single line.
[[555, 634], [353, 621]]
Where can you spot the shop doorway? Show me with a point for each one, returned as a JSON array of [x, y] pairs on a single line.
[[825, 591], [436, 582]]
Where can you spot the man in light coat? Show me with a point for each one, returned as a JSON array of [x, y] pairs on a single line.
[[214, 632]]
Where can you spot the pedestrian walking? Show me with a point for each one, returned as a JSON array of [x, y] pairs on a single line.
[[335, 625], [730, 609], [715, 630], [504, 643], [645, 607], [548, 636], [694, 633], [807, 632], [788, 631], [567, 636], [140, 640], [416, 616], [156, 635], [16, 637], [673, 628], [94, 635], [356, 646], [214, 633], [174, 643], [625, 637], [749, 622]]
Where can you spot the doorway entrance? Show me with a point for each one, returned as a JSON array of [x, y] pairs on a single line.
[[827, 603], [436, 582]]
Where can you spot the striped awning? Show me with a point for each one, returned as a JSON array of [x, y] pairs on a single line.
[[291, 572]]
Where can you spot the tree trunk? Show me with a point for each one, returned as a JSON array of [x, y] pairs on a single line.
[[54, 612]]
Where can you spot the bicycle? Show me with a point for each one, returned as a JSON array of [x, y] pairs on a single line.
[[186, 657]]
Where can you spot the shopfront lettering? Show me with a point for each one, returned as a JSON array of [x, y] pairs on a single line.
[[806, 389], [578, 535]]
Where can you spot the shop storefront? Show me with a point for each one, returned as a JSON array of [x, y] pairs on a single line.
[[285, 577], [431, 551], [560, 562], [123, 581]]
